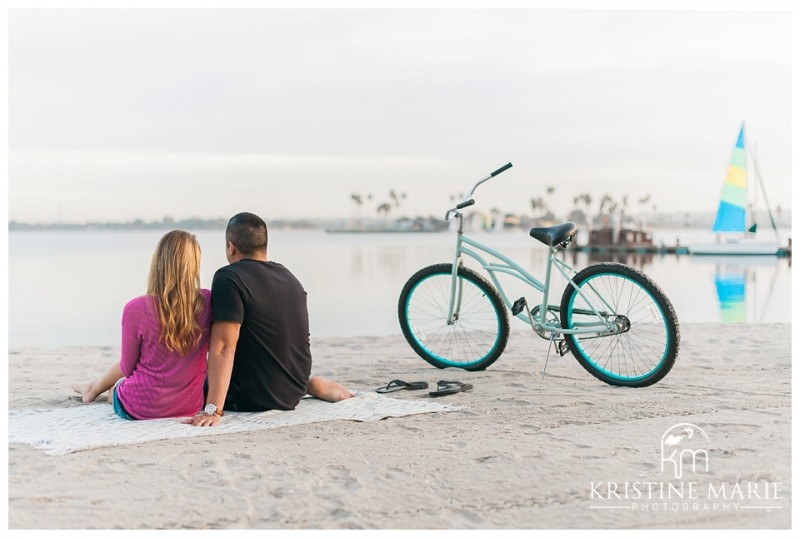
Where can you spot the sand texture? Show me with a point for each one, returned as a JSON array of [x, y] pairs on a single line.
[[522, 454]]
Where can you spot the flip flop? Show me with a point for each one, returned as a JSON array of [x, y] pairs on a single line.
[[449, 387], [399, 384]]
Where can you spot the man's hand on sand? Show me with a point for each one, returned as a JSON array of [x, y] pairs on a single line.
[[203, 420]]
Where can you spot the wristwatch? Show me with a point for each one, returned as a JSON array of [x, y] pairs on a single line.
[[211, 409]]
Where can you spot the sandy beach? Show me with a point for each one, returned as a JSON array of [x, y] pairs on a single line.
[[565, 452]]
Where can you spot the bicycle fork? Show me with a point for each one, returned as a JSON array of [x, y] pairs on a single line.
[[456, 288]]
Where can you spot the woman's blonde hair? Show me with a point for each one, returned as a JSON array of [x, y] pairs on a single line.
[[174, 282]]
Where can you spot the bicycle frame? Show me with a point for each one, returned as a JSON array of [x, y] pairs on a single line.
[[614, 319], [466, 246]]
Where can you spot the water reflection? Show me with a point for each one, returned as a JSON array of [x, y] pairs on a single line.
[[353, 282], [746, 289], [640, 260], [731, 285], [745, 286]]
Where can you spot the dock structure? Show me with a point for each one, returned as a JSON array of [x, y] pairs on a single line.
[[633, 249], [786, 252], [622, 240], [609, 240], [783, 252]]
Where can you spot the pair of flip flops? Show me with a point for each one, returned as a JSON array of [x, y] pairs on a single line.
[[443, 388], [399, 384], [449, 387]]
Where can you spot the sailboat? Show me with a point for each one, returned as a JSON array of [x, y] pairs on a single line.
[[730, 224]]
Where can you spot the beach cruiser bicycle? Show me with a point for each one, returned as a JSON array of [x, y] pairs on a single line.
[[614, 319]]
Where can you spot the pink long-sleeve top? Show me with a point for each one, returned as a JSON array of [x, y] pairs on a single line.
[[160, 383]]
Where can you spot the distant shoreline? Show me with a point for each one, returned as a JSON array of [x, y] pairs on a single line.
[[672, 221], [140, 225]]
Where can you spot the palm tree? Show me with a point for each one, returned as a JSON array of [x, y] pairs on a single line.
[[586, 198], [624, 209], [359, 201], [577, 211], [606, 200], [384, 208], [550, 190], [643, 202]]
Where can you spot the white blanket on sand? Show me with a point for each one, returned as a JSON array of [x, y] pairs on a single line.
[[63, 430]]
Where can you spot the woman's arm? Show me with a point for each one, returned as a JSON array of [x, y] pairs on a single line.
[[131, 341]]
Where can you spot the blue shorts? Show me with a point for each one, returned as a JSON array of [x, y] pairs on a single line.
[[118, 409]]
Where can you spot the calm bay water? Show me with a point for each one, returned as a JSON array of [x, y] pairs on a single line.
[[68, 288]]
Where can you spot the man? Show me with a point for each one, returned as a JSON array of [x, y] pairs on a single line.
[[260, 354]]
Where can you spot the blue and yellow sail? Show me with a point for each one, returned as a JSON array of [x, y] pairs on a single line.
[[732, 213]]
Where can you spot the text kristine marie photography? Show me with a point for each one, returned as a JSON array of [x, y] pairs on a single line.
[[686, 460]]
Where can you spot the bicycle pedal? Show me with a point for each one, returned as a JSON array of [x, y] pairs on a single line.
[[518, 305], [562, 348]]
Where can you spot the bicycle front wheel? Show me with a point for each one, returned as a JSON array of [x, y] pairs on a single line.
[[478, 333], [646, 345]]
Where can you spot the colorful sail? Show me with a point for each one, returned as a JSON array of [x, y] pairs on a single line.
[[731, 215]]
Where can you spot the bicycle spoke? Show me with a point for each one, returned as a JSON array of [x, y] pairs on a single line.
[[645, 344], [476, 334]]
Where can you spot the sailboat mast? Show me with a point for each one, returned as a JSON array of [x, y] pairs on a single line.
[[763, 192]]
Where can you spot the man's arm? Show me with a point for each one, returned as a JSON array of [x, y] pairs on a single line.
[[224, 336]]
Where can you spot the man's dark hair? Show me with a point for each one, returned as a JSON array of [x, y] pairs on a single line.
[[248, 233]]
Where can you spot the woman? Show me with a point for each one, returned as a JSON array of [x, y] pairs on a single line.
[[165, 337]]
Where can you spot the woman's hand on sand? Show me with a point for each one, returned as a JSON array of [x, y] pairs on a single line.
[[203, 420]]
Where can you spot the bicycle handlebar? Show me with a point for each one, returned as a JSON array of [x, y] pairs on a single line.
[[501, 169], [468, 201]]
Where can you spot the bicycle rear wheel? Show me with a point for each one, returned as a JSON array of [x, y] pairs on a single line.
[[647, 346], [479, 332]]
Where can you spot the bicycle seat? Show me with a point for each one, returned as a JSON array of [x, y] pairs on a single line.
[[554, 235]]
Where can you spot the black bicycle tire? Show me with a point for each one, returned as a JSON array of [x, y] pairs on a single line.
[[670, 320], [446, 269]]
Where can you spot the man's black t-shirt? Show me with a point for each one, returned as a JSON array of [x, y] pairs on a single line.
[[272, 363]]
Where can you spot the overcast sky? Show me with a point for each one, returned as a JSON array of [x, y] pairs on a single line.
[[120, 114]]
